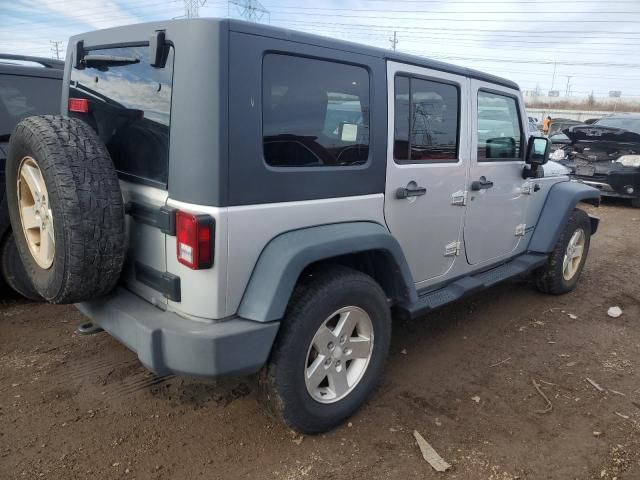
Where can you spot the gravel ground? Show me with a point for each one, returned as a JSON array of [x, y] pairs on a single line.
[[73, 406]]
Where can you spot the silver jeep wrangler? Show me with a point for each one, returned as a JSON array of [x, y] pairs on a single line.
[[232, 198]]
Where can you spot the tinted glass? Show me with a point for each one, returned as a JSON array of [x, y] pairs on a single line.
[[499, 132], [631, 124], [426, 121], [315, 113], [402, 119], [22, 97], [130, 107]]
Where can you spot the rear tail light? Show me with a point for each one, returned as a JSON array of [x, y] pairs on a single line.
[[195, 240], [79, 105]]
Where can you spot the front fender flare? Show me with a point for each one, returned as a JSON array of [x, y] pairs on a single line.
[[561, 201], [287, 255]]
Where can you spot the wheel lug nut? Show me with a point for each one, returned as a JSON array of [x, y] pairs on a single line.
[[337, 363], [330, 346], [343, 339], [327, 362]]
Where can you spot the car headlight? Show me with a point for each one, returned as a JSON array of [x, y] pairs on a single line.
[[629, 160], [558, 155]]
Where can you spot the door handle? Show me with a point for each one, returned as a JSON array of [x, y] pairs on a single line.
[[406, 192], [481, 184]]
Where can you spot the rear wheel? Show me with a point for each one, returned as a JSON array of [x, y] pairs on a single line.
[[13, 271], [66, 208], [562, 271], [330, 351]]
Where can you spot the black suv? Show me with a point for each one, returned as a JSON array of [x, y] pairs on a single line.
[[28, 86], [604, 154]]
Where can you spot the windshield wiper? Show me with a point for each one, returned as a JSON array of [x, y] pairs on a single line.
[[103, 62]]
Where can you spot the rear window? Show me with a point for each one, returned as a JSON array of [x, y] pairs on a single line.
[[22, 96], [315, 112], [130, 108]]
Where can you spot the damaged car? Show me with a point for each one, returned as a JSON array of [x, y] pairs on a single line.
[[605, 155]]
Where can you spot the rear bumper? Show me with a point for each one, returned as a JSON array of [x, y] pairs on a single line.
[[168, 343]]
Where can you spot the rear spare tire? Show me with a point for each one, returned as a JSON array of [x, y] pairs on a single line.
[[66, 208]]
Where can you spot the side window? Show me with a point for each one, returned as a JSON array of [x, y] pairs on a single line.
[[426, 121], [499, 129], [315, 113]]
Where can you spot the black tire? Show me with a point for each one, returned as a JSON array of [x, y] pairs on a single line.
[[635, 202], [86, 208], [13, 271], [550, 278], [282, 382]]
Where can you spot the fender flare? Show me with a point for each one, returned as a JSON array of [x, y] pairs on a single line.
[[560, 203], [287, 255]]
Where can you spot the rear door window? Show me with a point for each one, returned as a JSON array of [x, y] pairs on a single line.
[[22, 96], [130, 107], [315, 112], [499, 128], [426, 121]]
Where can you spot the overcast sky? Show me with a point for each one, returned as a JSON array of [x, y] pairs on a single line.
[[595, 42]]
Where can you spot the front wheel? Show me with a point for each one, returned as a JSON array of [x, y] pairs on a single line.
[[562, 271], [330, 351]]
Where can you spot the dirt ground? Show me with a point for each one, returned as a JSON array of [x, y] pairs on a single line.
[[76, 406]]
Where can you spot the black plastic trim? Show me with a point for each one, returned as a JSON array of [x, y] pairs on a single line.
[[163, 218], [164, 282]]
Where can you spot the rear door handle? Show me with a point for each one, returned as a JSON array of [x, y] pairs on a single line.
[[481, 184], [406, 192]]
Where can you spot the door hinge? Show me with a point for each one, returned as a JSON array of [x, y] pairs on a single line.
[[521, 230], [452, 249], [460, 198]]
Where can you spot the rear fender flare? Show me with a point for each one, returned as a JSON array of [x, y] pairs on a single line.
[[286, 256]]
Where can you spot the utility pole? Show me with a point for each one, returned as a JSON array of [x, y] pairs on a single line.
[[192, 7], [568, 89], [553, 78], [394, 41], [251, 10], [56, 49]]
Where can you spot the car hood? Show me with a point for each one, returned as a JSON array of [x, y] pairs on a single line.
[[599, 145], [594, 133]]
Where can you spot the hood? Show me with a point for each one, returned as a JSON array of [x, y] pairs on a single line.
[[554, 169], [594, 133]]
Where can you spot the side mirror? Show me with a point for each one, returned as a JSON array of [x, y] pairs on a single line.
[[538, 151]]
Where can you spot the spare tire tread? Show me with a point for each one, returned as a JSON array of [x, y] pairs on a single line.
[[89, 217]]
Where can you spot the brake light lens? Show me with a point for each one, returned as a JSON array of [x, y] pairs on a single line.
[[79, 105], [194, 240]]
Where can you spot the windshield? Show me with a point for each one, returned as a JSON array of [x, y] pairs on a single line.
[[22, 96], [631, 124]]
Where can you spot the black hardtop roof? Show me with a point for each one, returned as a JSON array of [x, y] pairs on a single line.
[[39, 67], [319, 41]]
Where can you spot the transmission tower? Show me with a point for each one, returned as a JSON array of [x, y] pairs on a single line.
[[56, 49], [192, 7], [251, 10]]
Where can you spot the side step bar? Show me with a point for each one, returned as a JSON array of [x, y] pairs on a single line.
[[471, 284]]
